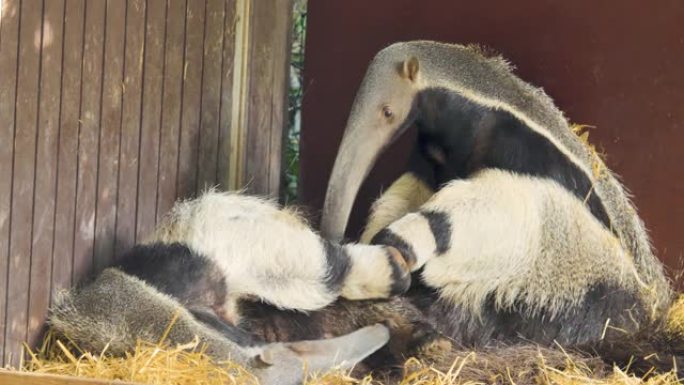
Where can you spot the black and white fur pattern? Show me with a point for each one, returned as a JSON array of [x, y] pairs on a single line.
[[234, 247], [155, 281], [527, 228], [494, 243], [116, 310], [198, 284], [271, 254]]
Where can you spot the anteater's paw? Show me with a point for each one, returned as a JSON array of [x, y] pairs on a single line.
[[401, 271], [376, 271]]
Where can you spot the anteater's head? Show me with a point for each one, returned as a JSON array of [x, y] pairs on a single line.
[[383, 109]]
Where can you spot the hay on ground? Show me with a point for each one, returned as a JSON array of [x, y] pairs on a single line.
[[148, 363], [157, 364]]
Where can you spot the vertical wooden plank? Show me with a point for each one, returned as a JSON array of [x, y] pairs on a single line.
[[171, 106], [109, 133], [130, 126], [65, 206], [24, 172], [269, 58], [211, 94], [282, 46], [238, 126], [46, 166], [91, 91], [225, 117], [9, 30], [192, 81], [258, 120], [151, 117]]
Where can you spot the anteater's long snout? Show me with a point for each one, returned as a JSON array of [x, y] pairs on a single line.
[[358, 152]]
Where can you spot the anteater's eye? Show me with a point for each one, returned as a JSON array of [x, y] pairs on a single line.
[[387, 112]]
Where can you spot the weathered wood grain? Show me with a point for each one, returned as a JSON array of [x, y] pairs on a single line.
[[171, 107], [192, 92], [31, 13], [46, 166], [110, 133], [151, 116], [127, 198], [67, 164], [9, 41], [211, 94], [226, 109], [89, 135], [269, 58]]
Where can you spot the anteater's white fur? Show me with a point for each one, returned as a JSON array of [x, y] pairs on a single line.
[[508, 233], [270, 253]]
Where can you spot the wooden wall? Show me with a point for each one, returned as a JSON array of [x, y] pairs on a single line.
[[110, 110], [616, 68]]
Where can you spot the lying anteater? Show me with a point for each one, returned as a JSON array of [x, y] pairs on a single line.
[[116, 310]]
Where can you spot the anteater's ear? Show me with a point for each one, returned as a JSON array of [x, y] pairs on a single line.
[[409, 69]]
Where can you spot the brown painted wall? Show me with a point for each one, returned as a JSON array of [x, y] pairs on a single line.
[[618, 66]]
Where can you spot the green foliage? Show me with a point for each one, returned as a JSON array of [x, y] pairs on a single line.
[[291, 143]]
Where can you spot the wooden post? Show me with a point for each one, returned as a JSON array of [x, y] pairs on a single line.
[[13, 378], [262, 61]]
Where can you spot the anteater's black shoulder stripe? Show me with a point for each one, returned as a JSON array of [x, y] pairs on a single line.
[[473, 137], [520, 149], [388, 238], [440, 226], [338, 262], [178, 271]]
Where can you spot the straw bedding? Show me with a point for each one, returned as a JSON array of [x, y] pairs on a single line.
[[158, 363]]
